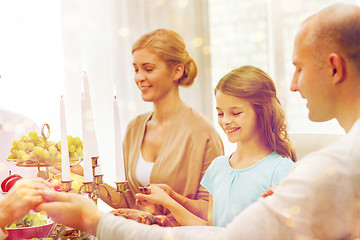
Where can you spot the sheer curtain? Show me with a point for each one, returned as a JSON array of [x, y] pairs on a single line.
[[98, 36], [31, 60]]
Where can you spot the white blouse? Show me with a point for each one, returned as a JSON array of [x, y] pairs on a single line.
[[143, 171]]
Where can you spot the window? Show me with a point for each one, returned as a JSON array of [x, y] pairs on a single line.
[[261, 33]]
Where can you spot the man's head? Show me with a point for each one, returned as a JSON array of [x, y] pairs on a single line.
[[326, 55]]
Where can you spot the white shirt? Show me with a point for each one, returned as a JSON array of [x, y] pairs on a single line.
[[12, 127], [143, 171], [320, 199]]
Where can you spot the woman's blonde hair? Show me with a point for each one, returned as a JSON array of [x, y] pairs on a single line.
[[170, 47], [254, 85]]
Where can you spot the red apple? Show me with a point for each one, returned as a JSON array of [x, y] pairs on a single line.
[[4, 182], [55, 183], [10, 183]]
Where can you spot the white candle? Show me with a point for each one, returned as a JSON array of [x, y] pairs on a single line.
[[65, 165], [90, 120], [88, 175], [120, 173]]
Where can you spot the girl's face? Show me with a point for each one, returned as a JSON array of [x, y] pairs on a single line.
[[236, 117], [152, 76]]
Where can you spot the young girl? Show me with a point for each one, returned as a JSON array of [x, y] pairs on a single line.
[[250, 114]]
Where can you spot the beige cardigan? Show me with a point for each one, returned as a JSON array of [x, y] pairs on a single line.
[[189, 147]]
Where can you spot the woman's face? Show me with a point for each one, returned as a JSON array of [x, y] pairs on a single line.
[[152, 75], [236, 117]]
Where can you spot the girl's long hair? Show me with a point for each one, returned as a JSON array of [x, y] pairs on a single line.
[[254, 85]]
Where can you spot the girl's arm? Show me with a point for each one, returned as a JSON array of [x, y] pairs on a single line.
[[157, 195]]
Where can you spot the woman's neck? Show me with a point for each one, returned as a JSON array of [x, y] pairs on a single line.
[[166, 108]]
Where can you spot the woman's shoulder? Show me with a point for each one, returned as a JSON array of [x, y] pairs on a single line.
[[195, 120], [139, 119]]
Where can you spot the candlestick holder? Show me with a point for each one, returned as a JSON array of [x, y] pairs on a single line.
[[66, 186], [93, 188]]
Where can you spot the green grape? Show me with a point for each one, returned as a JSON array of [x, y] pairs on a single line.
[[21, 154], [42, 145], [24, 139], [22, 146], [77, 142], [30, 146], [14, 152], [33, 136], [79, 151], [38, 150], [70, 140], [46, 154], [15, 143], [33, 155], [51, 143], [52, 150], [11, 157], [72, 148]]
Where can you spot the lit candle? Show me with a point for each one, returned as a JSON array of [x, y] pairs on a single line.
[[90, 120], [88, 175], [120, 173], [65, 165]]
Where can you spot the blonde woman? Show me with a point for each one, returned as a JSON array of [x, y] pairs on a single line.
[[173, 144]]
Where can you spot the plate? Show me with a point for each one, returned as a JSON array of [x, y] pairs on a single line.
[[35, 163]]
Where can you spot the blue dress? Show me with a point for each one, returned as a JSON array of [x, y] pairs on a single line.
[[233, 190]]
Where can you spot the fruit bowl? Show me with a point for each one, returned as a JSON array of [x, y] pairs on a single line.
[[42, 231]]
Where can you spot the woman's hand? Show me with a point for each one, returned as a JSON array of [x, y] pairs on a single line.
[[24, 196], [154, 194]]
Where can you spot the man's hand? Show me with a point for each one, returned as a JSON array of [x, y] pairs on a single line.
[[22, 197], [72, 210]]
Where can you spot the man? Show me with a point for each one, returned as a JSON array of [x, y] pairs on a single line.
[[320, 199], [12, 127]]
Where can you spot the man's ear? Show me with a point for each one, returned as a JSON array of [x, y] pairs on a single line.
[[179, 71], [337, 66]]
